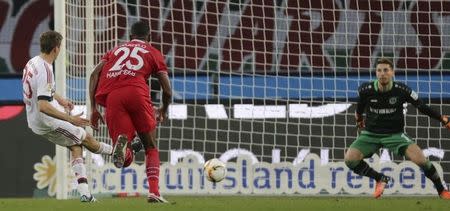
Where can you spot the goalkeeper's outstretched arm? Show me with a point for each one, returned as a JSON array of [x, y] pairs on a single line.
[[425, 109]]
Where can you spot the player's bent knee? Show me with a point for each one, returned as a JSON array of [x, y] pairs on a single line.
[[415, 154], [353, 154]]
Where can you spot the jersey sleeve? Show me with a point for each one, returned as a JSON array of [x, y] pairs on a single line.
[[160, 64], [413, 98], [44, 83], [362, 98], [106, 56]]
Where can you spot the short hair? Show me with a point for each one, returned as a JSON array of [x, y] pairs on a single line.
[[50, 40], [385, 61], [140, 29]]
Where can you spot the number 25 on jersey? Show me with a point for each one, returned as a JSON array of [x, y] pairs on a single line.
[[124, 60]]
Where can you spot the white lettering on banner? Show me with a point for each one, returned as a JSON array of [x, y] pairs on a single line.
[[249, 111], [432, 151], [176, 155], [244, 176], [276, 155], [178, 111], [301, 156], [324, 156], [385, 157], [215, 111], [233, 153], [303, 111]]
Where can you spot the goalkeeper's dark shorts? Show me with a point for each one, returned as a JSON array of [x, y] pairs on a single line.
[[369, 143]]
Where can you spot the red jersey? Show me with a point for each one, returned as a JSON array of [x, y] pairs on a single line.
[[129, 64]]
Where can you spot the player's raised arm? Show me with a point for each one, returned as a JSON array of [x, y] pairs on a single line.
[[413, 98]]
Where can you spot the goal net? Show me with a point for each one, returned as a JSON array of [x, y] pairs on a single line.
[[268, 85]]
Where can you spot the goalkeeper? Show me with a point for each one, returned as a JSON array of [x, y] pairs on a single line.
[[382, 100]]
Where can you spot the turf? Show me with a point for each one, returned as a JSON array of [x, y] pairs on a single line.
[[233, 203]]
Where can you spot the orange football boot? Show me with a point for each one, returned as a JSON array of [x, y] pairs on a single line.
[[445, 195], [379, 187]]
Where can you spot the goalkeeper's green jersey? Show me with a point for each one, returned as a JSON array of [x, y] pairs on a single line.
[[384, 110]]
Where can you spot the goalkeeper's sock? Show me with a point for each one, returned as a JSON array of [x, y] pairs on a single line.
[[431, 173], [104, 149], [362, 168], [79, 169], [152, 166]]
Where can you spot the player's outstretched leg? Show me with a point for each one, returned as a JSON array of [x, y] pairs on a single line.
[[119, 151], [361, 168], [354, 161], [79, 169], [152, 166], [415, 154], [431, 173], [95, 146]]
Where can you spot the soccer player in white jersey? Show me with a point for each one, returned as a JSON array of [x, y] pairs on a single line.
[[48, 114]]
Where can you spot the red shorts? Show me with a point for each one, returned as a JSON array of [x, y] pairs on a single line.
[[129, 111]]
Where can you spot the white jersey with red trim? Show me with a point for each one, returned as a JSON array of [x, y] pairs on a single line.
[[38, 83]]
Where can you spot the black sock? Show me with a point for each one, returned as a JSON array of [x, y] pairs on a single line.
[[82, 180], [431, 173], [363, 169]]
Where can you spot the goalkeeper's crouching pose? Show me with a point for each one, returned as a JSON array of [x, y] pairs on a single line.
[[382, 100]]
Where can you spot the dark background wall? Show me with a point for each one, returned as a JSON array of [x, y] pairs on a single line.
[[21, 22], [20, 149]]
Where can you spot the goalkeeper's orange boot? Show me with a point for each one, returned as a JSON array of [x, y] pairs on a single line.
[[445, 195], [379, 187]]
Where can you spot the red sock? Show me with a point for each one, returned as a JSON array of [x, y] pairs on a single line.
[[152, 166]]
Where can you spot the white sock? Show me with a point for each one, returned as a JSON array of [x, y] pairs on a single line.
[[105, 149], [79, 169], [83, 189]]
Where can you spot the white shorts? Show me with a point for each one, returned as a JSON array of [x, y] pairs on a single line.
[[65, 134]]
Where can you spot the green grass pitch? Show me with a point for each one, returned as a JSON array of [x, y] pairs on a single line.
[[233, 203]]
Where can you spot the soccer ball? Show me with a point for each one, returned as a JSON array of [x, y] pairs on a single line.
[[215, 170]]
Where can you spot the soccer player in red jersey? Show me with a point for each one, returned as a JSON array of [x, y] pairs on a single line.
[[119, 83]]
